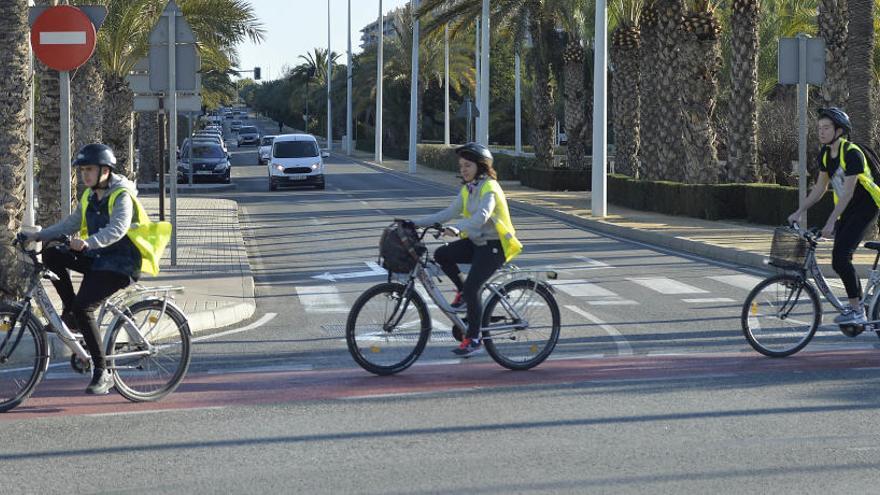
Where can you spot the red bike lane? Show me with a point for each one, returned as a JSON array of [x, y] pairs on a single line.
[[64, 397]]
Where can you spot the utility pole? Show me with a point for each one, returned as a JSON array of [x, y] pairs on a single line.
[[379, 66], [414, 93]]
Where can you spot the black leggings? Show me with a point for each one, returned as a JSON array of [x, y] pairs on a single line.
[[96, 286], [850, 230], [484, 260]]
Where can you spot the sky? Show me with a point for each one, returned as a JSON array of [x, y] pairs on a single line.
[[295, 27]]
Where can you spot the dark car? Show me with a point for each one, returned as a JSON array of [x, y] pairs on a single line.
[[248, 135], [207, 161]]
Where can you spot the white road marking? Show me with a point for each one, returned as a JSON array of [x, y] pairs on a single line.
[[623, 347], [708, 300], [613, 302], [155, 411], [591, 264], [582, 288], [747, 282], [665, 285], [266, 318], [321, 299]]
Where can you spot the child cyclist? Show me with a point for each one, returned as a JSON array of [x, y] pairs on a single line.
[[487, 237]]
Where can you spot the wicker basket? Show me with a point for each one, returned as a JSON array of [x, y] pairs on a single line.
[[789, 249]]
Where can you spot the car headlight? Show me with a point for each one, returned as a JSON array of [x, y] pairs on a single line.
[[279, 168], [221, 166], [315, 166]]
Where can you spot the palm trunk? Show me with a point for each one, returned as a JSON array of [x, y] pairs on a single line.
[[651, 111], [543, 127], [833, 24], [671, 153], [575, 96], [47, 134], [861, 69], [626, 98], [87, 100], [118, 108], [701, 62], [15, 88], [742, 160]]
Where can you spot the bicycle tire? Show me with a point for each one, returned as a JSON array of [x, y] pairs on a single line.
[[23, 369], [520, 349], [379, 350], [141, 379], [763, 327]]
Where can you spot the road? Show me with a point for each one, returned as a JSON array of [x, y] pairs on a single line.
[[651, 388]]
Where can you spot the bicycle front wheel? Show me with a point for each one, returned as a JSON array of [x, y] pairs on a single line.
[[781, 315], [385, 331], [152, 376], [531, 308], [24, 356]]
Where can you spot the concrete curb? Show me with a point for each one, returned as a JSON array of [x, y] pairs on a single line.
[[151, 187]]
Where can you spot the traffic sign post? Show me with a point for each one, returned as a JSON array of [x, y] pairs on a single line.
[[63, 38]]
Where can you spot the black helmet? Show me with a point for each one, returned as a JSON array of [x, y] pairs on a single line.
[[95, 154], [476, 153], [838, 116]]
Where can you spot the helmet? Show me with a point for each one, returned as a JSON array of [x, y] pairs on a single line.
[[838, 116], [476, 153], [95, 154]]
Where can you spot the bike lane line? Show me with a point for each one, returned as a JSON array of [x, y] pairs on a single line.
[[623, 347]]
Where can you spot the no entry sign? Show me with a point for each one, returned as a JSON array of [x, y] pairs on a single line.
[[63, 37]]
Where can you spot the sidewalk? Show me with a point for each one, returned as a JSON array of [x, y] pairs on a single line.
[[727, 241]]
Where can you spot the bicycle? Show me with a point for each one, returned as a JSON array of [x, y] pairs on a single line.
[[148, 340], [389, 324], [782, 313]]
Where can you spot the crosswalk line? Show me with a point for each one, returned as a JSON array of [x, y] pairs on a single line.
[[582, 288], [665, 285], [708, 300], [747, 282], [321, 299]]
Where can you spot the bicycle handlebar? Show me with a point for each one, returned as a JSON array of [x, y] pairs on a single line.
[[814, 234]]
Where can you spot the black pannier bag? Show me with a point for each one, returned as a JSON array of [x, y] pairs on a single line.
[[400, 248]]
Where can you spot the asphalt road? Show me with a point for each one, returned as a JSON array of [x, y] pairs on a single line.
[[651, 388]]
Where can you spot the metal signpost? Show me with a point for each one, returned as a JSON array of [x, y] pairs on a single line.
[[802, 62], [598, 200], [63, 37]]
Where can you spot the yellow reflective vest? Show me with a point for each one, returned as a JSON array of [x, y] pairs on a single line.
[[150, 238], [500, 217], [865, 178]]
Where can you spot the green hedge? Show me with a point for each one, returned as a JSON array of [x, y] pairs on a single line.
[[561, 179], [766, 204], [442, 157]]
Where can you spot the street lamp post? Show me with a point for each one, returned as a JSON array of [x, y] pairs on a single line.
[[483, 133], [600, 117], [446, 85], [348, 89], [414, 92], [379, 67], [329, 71]]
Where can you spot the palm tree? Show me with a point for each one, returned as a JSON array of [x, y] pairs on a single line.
[[861, 75], [47, 134], [669, 84], [742, 161], [316, 64], [626, 84], [701, 63], [572, 16], [15, 87], [652, 113], [833, 20]]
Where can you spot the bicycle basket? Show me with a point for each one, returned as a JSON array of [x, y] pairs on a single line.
[[400, 248], [789, 249]]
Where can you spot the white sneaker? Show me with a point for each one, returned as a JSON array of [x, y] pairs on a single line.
[[851, 316]]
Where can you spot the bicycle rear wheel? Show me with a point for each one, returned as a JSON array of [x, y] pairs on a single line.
[[24, 356], [151, 377], [528, 345], [385, 331], [781, 315]]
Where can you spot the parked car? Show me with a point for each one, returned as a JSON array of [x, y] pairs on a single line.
[[208, 162], [296, 160], [235, 125], [248, 135], [210, 138], [265, 150]]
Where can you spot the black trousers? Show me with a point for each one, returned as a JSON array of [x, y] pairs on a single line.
[[850, 230], [96, 286], [484, 260]]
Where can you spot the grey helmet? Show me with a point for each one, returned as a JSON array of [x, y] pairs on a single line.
[[838, 116], [476, 153]]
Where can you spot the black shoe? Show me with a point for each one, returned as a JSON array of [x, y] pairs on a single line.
[[68, 319], [102, 382]]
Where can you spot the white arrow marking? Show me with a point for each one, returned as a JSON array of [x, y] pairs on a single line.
[[374, 271], [63, 38]]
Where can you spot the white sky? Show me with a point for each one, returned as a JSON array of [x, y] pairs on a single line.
[[295, 27]]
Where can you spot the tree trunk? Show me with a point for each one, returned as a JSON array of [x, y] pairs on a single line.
[[118, 108], [47, 134], [742, 160], [861, 70], [543, 127], [575, 96], [651, 111], [87, 102], [148, 146], [671, 152], [626, 87], [701, 62], [833, 22], [15, 88]]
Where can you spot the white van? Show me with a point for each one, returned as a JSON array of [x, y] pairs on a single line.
[[296, 160]]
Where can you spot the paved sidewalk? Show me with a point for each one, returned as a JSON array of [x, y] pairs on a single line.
[[728, 241]]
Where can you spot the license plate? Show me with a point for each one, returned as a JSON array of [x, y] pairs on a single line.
[[204, 172], [298, 177]]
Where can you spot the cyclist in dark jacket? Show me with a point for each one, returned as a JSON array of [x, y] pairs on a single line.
[[106, 257]]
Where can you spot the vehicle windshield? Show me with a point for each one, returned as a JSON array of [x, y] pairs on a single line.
[[249, 130], [208, 152], [267, 141], [295, 149]]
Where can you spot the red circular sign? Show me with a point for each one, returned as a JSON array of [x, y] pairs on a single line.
[[63, 37]]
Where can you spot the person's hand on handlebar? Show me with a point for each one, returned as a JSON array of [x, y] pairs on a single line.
[[828, 229], [794, 218], [78, 245], [451, 232]]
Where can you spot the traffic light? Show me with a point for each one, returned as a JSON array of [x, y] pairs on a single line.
[[256, 73]]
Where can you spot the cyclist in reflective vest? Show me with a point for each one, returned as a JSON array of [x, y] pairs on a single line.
[[856, 200], [105, 255], [487, 237]]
